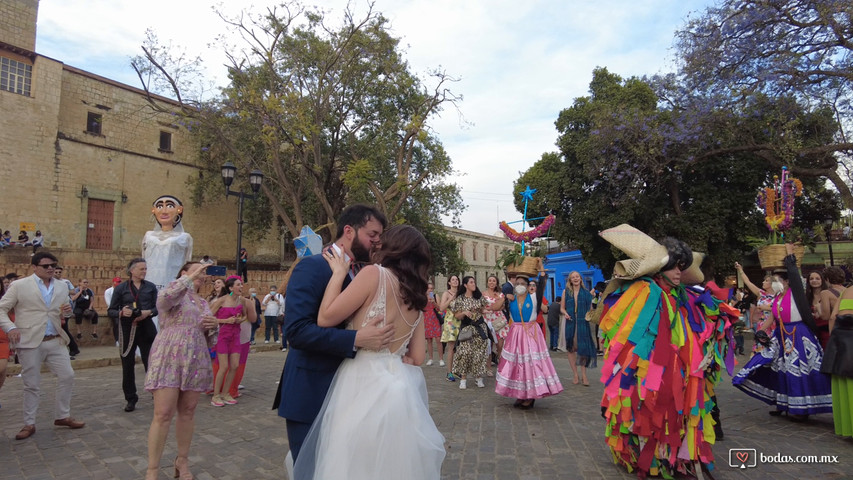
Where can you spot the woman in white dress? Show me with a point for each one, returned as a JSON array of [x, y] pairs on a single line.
[[168, 247], [375, 421]]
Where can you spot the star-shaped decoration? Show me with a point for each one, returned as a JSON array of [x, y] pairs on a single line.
[[527, 194]]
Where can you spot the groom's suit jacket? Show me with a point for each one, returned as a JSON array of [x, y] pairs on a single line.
[[314, 352]]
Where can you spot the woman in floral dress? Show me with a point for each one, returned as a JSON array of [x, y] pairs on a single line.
[[494, 313], [450, 328], [765, 295], [432, 328], [179, 366]]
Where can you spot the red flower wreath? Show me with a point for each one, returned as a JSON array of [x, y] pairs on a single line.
[[529, 235]]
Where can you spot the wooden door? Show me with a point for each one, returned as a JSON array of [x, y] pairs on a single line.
[[99, 225]]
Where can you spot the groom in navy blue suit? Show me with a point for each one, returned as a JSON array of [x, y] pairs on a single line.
[[316, 352]]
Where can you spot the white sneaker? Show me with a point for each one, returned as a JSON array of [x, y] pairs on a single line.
[[266, 341], [441, 363], [240, 387], [480, 383], [463, 384], [429, 363]]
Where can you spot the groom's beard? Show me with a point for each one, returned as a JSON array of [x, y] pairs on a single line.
[[359, 253]]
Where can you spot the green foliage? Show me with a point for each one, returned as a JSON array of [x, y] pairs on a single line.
[[331, 114], [619, 163]]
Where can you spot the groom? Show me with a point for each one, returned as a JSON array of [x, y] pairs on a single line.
[[316, 352]]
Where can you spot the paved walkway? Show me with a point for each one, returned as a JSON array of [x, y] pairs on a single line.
[[486, 438]]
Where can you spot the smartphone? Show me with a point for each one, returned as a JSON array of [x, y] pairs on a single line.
[[215, 270]]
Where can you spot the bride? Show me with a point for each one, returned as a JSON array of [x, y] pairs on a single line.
[[375, 421]]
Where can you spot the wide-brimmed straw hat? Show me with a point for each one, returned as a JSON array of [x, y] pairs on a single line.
[[647, 256]]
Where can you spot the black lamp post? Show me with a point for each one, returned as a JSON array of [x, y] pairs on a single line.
[[828, 224], [255, 179]]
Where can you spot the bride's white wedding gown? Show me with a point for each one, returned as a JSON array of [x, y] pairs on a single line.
[[375, 421]]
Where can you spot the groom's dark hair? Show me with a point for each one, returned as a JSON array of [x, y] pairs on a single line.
[[357, 216]]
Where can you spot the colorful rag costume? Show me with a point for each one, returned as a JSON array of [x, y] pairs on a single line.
[[665, 347]]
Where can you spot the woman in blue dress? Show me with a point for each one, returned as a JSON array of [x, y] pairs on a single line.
[[576, 302]]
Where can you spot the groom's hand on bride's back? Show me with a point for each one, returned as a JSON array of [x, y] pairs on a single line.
[[374, 337]]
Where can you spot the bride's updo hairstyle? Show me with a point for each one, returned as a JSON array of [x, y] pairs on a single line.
[[406, 253]]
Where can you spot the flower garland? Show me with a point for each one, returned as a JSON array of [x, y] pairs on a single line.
[[529, 235], [777, 201]]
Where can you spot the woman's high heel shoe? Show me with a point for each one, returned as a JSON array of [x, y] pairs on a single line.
[[186, 475]]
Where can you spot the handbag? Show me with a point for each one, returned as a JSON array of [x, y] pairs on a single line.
[[499, 324], [466, 333]]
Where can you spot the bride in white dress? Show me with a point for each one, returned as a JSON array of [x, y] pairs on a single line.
[[375, 421]]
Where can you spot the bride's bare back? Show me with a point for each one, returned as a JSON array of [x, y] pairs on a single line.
[[404, 319]]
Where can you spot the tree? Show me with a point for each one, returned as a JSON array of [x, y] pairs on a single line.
[[330, 115], [622, 159], [741, 51]]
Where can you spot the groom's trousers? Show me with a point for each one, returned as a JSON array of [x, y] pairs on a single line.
[[296, 433]]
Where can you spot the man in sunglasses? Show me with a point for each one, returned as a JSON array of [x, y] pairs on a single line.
[[39, 300]]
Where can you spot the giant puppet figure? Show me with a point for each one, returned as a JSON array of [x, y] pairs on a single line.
[[168, 247]]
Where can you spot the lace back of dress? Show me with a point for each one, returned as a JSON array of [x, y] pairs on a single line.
[[379, 308]]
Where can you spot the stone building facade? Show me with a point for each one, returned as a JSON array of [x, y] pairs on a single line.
[[481, 251], [82, 157]]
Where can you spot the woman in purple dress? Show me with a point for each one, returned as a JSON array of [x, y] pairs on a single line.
[[179, 366], [786, 374]]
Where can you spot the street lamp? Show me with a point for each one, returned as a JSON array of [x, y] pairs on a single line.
[[828, 221], [255, 178]]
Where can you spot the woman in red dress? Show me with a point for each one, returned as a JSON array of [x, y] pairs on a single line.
[[432, 328]]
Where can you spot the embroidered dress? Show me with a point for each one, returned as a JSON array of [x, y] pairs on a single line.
[[179, 357], [787, 373], [525, 371], [663, 354], [491, 315]]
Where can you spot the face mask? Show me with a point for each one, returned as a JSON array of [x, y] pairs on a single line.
[[520, 289], [254, 294]]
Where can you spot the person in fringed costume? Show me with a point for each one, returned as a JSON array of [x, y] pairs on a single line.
[[665, 344]]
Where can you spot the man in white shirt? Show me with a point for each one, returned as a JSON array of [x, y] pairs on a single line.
[[39, 301], [108, 297], [273, 316]]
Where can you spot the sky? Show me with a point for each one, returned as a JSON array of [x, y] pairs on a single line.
[[518, 64]]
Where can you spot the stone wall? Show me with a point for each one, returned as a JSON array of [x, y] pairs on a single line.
[[18, 23]]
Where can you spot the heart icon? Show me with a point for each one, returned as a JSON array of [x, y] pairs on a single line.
[[742, 456]]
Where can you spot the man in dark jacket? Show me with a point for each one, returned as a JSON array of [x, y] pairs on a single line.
[[134, 302]]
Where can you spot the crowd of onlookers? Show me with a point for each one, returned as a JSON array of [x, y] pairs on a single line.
[[23, 240]]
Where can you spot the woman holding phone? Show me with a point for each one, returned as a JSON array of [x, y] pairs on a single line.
[[179, 366]]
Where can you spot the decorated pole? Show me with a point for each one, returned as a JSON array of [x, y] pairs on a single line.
[[524, 237]]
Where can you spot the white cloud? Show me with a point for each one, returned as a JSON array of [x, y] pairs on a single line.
[[519, 63]]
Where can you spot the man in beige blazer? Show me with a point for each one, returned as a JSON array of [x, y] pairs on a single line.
[[37, 336]]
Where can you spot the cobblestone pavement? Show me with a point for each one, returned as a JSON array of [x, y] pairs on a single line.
[[485, 437]]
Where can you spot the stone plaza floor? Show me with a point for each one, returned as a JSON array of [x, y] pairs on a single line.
[[561, 438]]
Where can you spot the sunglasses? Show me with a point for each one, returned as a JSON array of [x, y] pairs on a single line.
[[48, 266]]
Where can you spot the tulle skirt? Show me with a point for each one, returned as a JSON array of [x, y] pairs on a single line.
[[525, 370], [374, 424]]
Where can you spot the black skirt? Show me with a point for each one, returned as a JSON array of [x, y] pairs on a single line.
[[838, 356]]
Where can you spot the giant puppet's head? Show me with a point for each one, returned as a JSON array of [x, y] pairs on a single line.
[[168, 211]]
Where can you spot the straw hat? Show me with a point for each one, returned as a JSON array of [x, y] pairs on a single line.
[[647, 255]]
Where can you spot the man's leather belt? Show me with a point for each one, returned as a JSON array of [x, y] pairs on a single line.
[[49, 337]]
